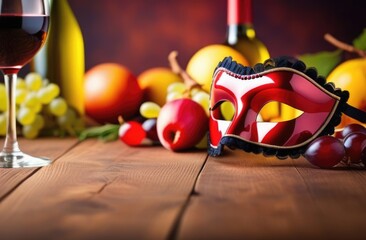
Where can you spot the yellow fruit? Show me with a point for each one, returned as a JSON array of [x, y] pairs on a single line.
[[154, 83], [351, 76], [203, 63]]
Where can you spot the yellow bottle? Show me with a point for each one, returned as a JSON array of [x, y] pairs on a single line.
[[241, 34], [62, 59]]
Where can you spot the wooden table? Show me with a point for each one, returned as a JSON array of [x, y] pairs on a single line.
[[96, 190]]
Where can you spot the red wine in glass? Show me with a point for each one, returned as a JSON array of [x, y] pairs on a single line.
[[23, 31], [21, 36]]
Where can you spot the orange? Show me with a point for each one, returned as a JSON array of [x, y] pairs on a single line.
[[111, 90], [203, 63], [351, 76]]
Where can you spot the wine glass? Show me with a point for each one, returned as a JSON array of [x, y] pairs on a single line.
[[23, 31]]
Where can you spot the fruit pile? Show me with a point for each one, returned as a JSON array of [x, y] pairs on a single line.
[[40, 109], [174, 109], [174, 113]]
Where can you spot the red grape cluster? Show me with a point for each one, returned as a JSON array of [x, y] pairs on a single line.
[[347, 146]]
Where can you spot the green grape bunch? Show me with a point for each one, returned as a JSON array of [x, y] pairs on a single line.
[[40, 110]]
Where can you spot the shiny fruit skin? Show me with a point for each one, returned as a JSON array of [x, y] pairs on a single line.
[[352, 128], [355, 143], [154, 83], [181, 124], [203, 63], [111, 90], [351, 76], [325, 152], [149, 125], [132, 133]]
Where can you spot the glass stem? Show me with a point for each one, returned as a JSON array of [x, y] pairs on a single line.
[[11, 142]]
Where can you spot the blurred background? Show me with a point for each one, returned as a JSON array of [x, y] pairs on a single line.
[[140, 33]]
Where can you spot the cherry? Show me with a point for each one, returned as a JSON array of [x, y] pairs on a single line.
[[132, 133], [325, 152], [355, 144]]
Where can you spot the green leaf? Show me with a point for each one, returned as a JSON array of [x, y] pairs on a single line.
[[360, 41], [108, 132], [324, 61]]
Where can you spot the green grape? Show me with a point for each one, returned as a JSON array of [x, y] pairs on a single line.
[[53, 90], [149, 110], [227, 110], [21, 83], [67, 120], [177, 87], [44, 96], [58, 106], [194, 91], [203, 99], [38, 122], [31, 100], [173, 95], [25, 116], [37, 108], [20, 95], [3, 100], [33, 81], [48, 93], [3, 124], [30, 131]]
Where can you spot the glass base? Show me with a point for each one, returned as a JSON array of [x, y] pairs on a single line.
[[21, 160]]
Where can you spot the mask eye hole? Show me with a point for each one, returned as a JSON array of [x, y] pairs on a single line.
[[278, 112], [224, 110]]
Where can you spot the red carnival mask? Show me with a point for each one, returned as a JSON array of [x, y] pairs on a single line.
[[284, 81]]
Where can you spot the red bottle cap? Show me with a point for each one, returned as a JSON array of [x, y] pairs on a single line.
[[239, 12]]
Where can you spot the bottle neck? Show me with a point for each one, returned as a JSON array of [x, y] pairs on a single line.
[[239, 12], [239, 20]]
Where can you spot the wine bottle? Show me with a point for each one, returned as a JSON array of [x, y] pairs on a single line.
[[241, 34], [62, 58]]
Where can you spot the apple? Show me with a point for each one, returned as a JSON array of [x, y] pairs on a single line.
[[181, 124]]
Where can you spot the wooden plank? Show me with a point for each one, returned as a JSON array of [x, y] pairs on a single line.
[[49, 147], [101, 191], [247, 196]]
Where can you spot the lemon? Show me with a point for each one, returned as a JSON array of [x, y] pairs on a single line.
[[351, 76], [203, 63], [154, 83]]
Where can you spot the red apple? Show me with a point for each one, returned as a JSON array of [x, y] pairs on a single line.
[[181, 124]]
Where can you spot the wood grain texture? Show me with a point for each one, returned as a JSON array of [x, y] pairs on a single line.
[[103, 191], [11, 178], [247, 196]]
